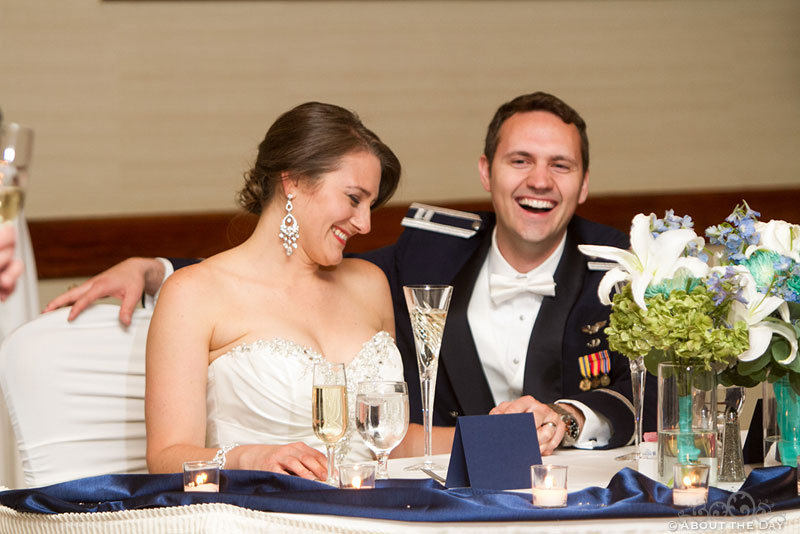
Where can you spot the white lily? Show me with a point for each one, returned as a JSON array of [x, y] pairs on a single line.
[[754, 313], [777, 236], [650, 260]]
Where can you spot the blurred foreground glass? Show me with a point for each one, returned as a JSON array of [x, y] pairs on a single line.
[[16, 147], [382, 418]]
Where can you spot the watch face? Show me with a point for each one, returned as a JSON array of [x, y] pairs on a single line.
[[572, 426]]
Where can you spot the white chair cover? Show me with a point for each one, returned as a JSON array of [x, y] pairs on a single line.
[[19, 308], [75, 394]]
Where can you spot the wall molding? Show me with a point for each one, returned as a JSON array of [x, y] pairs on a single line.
[[83, 247]]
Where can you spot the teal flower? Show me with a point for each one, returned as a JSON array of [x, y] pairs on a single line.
[[761, 265], [680, 282]]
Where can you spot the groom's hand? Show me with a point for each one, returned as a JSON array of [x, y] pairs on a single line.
[[127, 281], [549, 427]]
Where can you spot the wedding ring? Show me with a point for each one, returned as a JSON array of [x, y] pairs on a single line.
[[550, 423]]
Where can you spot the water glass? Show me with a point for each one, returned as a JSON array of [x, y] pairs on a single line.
[[382, 418]]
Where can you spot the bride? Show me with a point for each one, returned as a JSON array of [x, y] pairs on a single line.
[[233, 339]]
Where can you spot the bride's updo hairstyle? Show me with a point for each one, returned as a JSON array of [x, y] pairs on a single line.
[[309, 141]]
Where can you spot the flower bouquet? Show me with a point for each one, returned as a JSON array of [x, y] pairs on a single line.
[[675, 312], [767, 257]]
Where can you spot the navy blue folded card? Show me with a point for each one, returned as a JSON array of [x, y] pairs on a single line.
[[494, 452]]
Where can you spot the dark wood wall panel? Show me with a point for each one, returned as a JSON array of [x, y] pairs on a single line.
[[83, 247]]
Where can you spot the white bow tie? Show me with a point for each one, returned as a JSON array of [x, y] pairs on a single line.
[[502, 288]]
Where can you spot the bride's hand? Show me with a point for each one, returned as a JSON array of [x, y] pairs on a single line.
[[293, 459]]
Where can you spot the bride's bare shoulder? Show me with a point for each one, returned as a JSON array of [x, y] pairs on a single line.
[[192, 282], [356, 270]]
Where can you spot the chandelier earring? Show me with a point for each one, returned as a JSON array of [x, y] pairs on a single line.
[[290, 231]]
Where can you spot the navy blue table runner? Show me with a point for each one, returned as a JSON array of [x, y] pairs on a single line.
[[628, 494]]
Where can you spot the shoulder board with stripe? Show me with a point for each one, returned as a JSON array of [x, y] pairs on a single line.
[[601, 265], [442, 220]]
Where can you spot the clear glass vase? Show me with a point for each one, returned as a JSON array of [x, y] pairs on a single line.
[[781, 423], [687, 427]]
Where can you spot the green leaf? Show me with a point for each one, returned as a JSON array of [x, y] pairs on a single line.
[[705, 381], [730, 377], [652, 359], [776, 373], [780, 349], [759, 376], [794, 310], [748, 368], [794, 366]]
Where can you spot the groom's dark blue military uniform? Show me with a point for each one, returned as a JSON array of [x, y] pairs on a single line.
[[568, 325]]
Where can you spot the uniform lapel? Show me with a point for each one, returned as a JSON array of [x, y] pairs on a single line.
[[543, 364], [459, 355]]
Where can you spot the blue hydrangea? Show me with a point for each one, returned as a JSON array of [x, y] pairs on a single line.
[[736, 234], [725, 286]]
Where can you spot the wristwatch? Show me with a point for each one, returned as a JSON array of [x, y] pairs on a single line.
[[573, 429]]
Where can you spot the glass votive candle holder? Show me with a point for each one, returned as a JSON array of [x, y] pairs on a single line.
[[690, 484], [549, 485], [201, 475], [357, 476]]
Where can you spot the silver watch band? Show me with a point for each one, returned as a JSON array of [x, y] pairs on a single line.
[[573, 428]]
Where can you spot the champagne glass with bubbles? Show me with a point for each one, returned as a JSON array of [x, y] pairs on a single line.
[[329, 409], [427, 306], [16, 144], [382, 418]]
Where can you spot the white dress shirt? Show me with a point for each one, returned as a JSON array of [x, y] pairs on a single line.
[[502, 333], [169, 270]]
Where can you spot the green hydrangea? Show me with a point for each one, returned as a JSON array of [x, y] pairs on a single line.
[[684, 326]]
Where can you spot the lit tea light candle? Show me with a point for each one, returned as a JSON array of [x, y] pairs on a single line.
[[357, 476], [549, 485], [690, 484], [201, 476]]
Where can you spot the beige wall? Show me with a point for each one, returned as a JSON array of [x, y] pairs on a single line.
[[150, 107]]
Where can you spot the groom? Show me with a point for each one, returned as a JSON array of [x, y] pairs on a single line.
[[525, 324]]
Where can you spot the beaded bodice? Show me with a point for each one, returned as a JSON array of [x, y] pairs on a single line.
[[260, 392]]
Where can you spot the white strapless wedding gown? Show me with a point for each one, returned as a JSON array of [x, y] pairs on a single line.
[[260, 392]]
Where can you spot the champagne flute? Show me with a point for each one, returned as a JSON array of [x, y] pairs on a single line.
[[16, 144], [329, 409], [427, 306], [638, 373], [382, 418]]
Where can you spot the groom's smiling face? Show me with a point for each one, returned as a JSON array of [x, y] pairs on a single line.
[[536, 180]]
